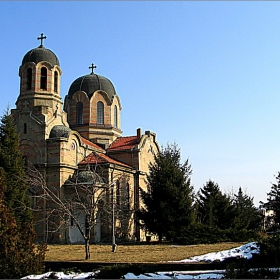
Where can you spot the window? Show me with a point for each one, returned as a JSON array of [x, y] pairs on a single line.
[[100, 112], [72, 221], [118, 198], [24, 128], [25, 160], [29, 78], [115, 116], [55, 81], [79, 113], [43, 84], [128, 194]]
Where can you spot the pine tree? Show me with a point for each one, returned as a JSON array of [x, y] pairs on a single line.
[[168, 200], [247, 215], [273, 201], [12, 162], [214, 208], [19, 256]]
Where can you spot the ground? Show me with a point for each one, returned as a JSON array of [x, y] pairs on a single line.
[[245, 251]]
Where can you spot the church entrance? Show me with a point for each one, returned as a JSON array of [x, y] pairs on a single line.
[[75, 236]]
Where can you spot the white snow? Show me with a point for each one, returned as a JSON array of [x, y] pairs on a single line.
[[62, 275], [245, 251]]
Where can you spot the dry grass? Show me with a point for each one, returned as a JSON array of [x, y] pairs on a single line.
[[134, 253]]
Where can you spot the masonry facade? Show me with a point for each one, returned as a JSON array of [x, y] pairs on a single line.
[[66, 140]]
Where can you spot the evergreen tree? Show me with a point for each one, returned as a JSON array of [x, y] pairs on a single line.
[[214, 208], [19, 256], [246, 215], [12, 162], [273, 201], [168, 200]]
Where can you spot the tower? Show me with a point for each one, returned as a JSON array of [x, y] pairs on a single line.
[[39, 105], [93, 108]]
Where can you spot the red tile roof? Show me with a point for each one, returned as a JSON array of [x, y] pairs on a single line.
[[123, 143], [99, 158], [87, 142]]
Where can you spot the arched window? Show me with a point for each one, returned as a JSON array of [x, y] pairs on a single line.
[[115, 116], [55, 81], [43, 84], [128, 194], [29, 78], [25, 160], [100, 112], [79, 113], [118, 194]]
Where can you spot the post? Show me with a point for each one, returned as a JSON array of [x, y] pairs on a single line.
[[114, 246]]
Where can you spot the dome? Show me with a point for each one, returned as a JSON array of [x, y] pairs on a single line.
[[90, 83], [40, 54], [87, 176], [60, 131]]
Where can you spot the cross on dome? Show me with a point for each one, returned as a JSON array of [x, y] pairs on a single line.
[[92, 67], [42, 37]]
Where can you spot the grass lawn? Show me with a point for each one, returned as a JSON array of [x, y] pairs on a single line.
[[134, 253]]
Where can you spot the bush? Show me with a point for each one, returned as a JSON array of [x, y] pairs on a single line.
[[270, 250], [234, 272], [268, 258], [202, 234], [243, 235], [119, 270]]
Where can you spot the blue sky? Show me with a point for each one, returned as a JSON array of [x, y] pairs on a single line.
[[203, 74]]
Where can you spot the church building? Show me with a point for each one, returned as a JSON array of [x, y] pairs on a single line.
[[67, 140]]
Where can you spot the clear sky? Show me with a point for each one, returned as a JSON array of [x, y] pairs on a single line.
[[203, 74]]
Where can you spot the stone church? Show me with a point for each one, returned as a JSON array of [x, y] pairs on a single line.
[[67, 140]]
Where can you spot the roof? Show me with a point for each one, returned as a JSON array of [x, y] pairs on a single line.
[[91, 83], [60, 131], [123, 143], [99, 158], [89, 143], [40, 54]]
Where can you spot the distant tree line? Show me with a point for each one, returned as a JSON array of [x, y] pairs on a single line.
[[174, 212]]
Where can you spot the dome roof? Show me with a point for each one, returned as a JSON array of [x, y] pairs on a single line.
[[90, 83], [87, 176], [40, 54], [60, 131]]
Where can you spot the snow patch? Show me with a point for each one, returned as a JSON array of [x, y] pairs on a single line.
[[245, 251]]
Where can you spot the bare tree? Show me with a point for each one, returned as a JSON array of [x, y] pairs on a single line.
[[86, 194]]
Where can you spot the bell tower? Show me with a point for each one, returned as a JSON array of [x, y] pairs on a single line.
[[39, 105], [94, 108]]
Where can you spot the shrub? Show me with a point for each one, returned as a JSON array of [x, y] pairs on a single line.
[[119, 270], [269, 257], [270, 250], [203, 234], [245, 273]]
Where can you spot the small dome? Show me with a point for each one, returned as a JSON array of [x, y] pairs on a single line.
[[60, 131], [84, 177], [87, 176], [90, 83], [40, 54]]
